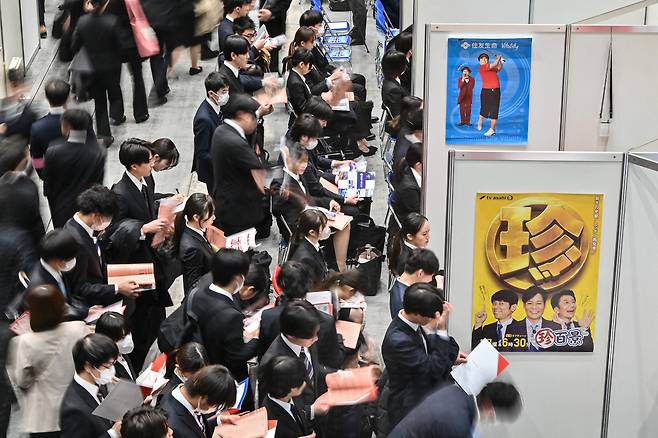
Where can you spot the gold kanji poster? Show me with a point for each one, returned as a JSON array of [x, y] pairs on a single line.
[[536, 270]]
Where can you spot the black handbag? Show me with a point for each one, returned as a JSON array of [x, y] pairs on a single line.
[[364, 232], [370, 261], [339, 5]]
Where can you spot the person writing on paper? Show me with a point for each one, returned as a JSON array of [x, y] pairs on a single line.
[[96, 208], [414, 233], [286, 377], [522, 335], [113, 325], [347, 287], [417, 350], [450, 412], [503, 305], [490, 94], [420, 267], [145, 422], [93, 357], [194, 250], [564, 306], [295, 280], [181, 365], [40, 362], [408, 180], [209, 391]]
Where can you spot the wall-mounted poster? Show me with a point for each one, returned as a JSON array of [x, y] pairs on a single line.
[[536, 270], [488, 90]]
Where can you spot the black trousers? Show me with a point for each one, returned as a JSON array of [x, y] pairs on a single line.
[[159, 64], [144, 325], [140, 107], [359, 16], [106, 86], [41, 9]]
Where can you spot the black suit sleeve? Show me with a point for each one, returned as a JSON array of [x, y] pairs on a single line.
[[192, 260], [408, 198], [437, 364], [331, 351], [75, 423], [203, 132], [237, 351], [279, 8], [296, 95]]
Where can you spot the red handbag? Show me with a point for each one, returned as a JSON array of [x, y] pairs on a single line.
[[145, 38]]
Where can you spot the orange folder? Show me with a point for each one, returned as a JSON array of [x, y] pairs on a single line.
[[141, 273], [251, 425], [215, 237], [351, 387], [350, 332]]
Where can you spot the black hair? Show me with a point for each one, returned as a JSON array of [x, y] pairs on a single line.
[[394, 63], [504, 398], [319, 108], [422, 258], [411, 224], [281, 374], [299, 319], [197, 203], [404, 42], [353, 278], [305, 125], [232, 5], [408, 104], [303, 35], [239, 102], [166, 150], [226, 264], [310, 18], [57, 92], [235, 44], [215, 82], [94, 349], [296, 152], [416, 119], [295, 280], [58, 244], [144, 422], [97, 199], [413, 156], [258, 278], [483, 55], [216, 383], [113, 325], [13, 150], [423, 299], [77, 119], [242, 24], [555, 299], [301, 55], [47, 307], [134, 151], [529, 293], [189, 357], [308, 220], [466, 68], [507, 296]]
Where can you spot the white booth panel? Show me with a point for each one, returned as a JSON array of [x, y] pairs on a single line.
[[30, 28], [446, 11], [544, 111], [652, 15], [570, 11], [563, 393], [11, 31], [406, 13]]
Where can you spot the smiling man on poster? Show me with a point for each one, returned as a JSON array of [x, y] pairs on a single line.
[[490, 93]]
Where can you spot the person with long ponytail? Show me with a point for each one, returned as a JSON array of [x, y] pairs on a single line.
[[415, 233], [407, 180], [194, 250]]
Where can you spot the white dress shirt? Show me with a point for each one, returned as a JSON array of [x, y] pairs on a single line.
[[77, 136], [176, 394], [214, 106], [315, 245], [213, 287], [234, 69], [237, 127], [284, 405], [296, 178], [93, 390], [418, 177], [196, 230]]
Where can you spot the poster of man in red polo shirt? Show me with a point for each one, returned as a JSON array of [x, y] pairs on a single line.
[[493, 78]]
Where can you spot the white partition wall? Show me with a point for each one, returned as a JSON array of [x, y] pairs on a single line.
[[569, 11], [30, 29], [634, 391], [406, 13], [544, 113], [447, 11], [563, 393]]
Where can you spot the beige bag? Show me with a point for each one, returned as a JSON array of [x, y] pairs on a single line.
[[208, 13]]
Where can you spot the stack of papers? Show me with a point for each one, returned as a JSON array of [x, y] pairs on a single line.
[[322, 301], [352, 386], [251, 425], [141, 273], [96, 312]]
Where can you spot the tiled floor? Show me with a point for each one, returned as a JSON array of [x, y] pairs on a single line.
[[174, 120]]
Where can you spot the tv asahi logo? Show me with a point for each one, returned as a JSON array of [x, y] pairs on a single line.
[[497, 197]]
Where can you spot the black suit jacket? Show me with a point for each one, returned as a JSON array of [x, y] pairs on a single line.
[[490, 333], [99, 34], [330, 348], [122, 372], [447, 413], [18, 253], [221, 324], [299, 92], [277, 24], [308, 255], [76, 418], [195, 254], [406, 197], [392, 94], [20, 197], [321, 63], [286, 426], [413, 372], [44, 131], [70, 169], [224, 30], [520, 331], [39, 276], [206, 120], [89, 277], [234, 84], [181, 421]]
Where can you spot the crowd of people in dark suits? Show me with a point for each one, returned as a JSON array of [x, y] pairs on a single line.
[[65, 363]]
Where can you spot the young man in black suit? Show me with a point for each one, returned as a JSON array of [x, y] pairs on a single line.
[[208, 390], [57, 251], [236, 54], [451, 412], [47, 129], [94, 357], [418, 360], [220, 317], [96, 208], [273, 13], [72, 167], [420, 267], [232, 10], [534, 303], [207, 118], [503, 305], [145, 421], [129, 240]]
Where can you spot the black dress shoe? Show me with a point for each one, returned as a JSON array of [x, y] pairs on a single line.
[[209, 54], [371, 137], [141, 119], [107, 141], [119, 121], [195, 71], [371, 151]]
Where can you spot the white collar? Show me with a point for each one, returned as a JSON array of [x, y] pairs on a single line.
[[295, 177], [77, 136], [402, 282], [506, 323], [199, 232], [412, 138], [229, 18], [76, 217], [315, 245], [417, 176], [215, 107], [294, 347], [237, 127], [299, 74], [284, 405], [531, 325], [219, 290], [234, 69], [409, 245], [413, 325], [135, 181], [122, 361], [178, 395], [89, 387], [57, 110], [51, 271]]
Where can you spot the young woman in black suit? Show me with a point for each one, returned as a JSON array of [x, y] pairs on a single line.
[[407, 181], [194, 250], [305, 243], [113, 325], [415, 233], [393, 66]]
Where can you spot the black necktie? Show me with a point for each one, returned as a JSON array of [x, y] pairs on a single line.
[[146, 200], [102, 393], [307, 364], [200, 422], [297, 416]]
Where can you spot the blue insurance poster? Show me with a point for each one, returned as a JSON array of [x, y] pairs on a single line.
[[488, 91]]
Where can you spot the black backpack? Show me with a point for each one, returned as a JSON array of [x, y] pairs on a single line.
[[181, 326]]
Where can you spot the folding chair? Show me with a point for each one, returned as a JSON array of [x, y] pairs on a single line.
[[284, 243]]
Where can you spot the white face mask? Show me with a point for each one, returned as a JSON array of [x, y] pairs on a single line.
[[325, 233], [222, 99], [105, 377], [126, 344], [68, 265], [239, 288], [205, 411], [100, 227], [312, 144]]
